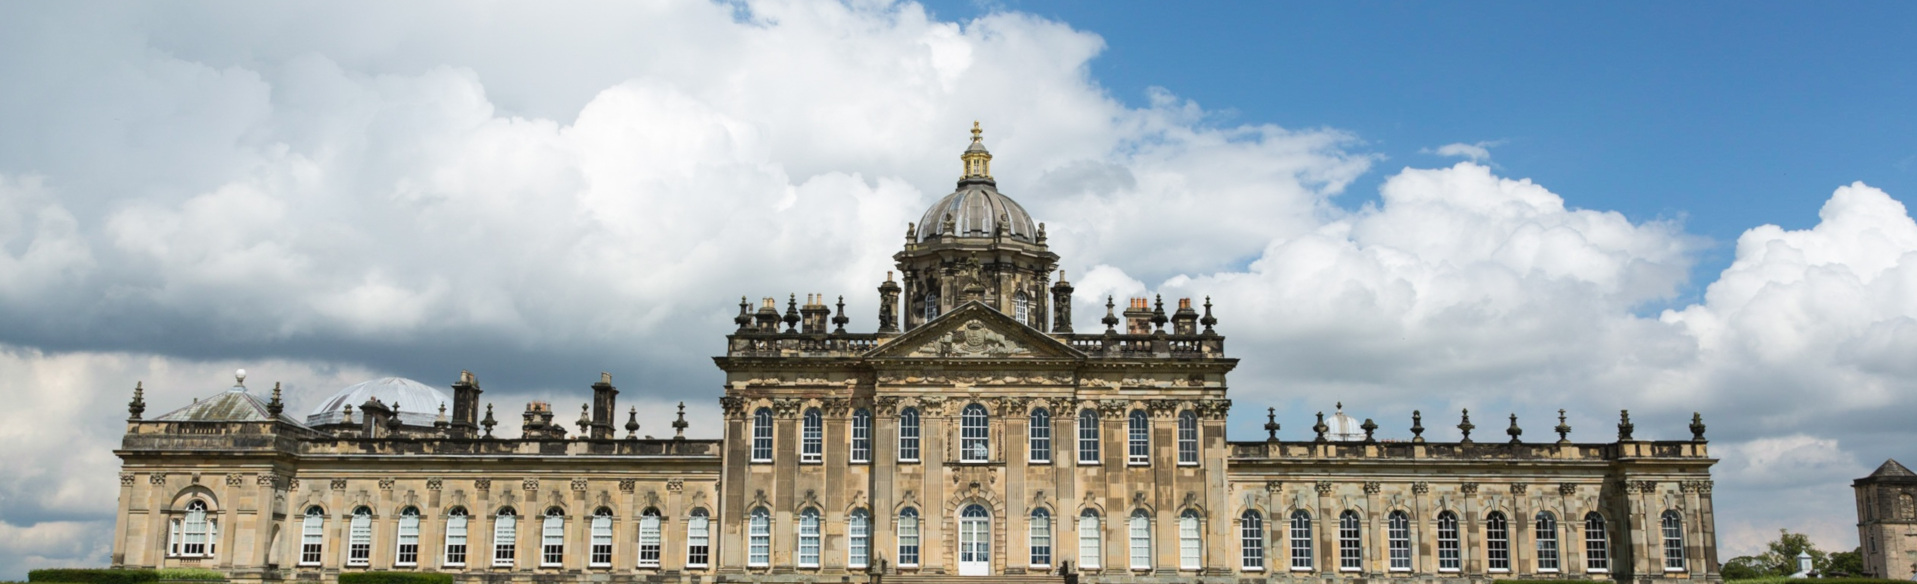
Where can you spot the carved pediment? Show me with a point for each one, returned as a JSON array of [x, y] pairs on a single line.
[[977, 331]]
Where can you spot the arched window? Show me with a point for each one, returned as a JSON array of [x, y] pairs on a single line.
[[359, 537], [909, 435], [759, 528], [552, 538], [1140, 441], [974, 441], [908, 537], [1351, 551], [762, 435], [505, 537], [1088, 539], [861, 436], [651, 535], [812, 444], [1673, 542], [809, 538], [312, 536], [456, 536], [1448, 558], [1597, 544], [1300, 541], [698, 539], [1088, 436], [408, 552], [1141, 538], [1497, 542], [193, 534], [602, 539], [1398, 532], [1189, 546], [1022, 308], [1251, 540], [1041, 538], [858, 531], [1041, 436], [931, 306], [1187, 437], [1547, 538]]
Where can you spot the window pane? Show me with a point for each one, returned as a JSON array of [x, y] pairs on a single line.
[[973, 434], [359, 537], [1141, 533], [1300, 540], [1088, 540], [908, 537], [1189, 551], [312, 536], [861, 436], [552, 538], [1597, 546], [762, 435], [1041, 538], [408, 551], [859, 539], [1673, 541], [1400, 536], [1251, 541], [909, 435], [809, 538], [1448, 559], [698, 539], [1497, 542], [1187, 438], [602, 538], [649, 538], [1041, 429], [1547, 538], [505, 538], [1088, 436], [456, 537], [1140, 451], [760, 530], [1350, 546]]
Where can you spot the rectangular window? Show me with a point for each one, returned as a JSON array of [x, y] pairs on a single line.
[[1140, 446], [649, 539], [973, 435], [1041, 430], [552, 542], [1141, 532], [312, 539], [1188, 543], [812, 439], [1041, 537], [1187, 438], [909, 538], [1399, 534], [1251, 541], [1448, 558], [762, 435], [1300, 542], [408, 553], [1547, 538], [601, 556], [760, 529], [359, 539], [456, 540], [698, 540], [1597, 547], [859, 545], [909, 435], [1087, 437], [1350, 547], [1497, 543], [809, 539], [1673, 542], [1088, 541], [505, 540], [861, 436]]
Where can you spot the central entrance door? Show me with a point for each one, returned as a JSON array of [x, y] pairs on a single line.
[[975, 541]]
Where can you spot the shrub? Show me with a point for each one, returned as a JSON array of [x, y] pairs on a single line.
[[92, 576], [197, 574], [394, 578]]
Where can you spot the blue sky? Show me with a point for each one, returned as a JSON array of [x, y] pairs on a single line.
[[1725, 115]]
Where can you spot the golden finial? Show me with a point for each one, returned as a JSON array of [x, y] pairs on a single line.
[[975, 131], [978, 162]]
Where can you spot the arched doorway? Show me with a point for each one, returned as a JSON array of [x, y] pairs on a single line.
[[975, 541]]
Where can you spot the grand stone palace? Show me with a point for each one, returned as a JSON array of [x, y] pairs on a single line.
[[975, 434]]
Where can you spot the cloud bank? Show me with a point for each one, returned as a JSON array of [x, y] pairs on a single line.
[[323, 194]]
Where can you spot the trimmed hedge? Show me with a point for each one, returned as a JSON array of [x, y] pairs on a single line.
[[92, 576], [394, 578], [191, 574]]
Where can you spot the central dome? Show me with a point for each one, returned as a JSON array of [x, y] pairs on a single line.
[[976, 210]]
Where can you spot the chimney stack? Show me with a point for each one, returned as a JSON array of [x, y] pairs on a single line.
[[605, 400], [1138, 317]]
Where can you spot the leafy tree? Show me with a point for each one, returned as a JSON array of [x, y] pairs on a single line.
[[1781, 559], [1745, 568], [1846, 563]]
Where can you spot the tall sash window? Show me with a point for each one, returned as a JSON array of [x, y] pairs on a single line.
[[1088, 539], [1449, 559], [1088, 436], [698, 539], [813, 442], [1398, 531], [1041, 436], [601, 539], [359, 537], [1187, 438], [1041, 538], [1140, 441], [974, 434], [1251, 540], [759, 530], [1597, 545], [552, 538], [651, 534], [456, 537], [1547, 538], [1300, 541], [858, 532], [762, 435], [505, 538], [861, 436], [908, 537], [408, 552], [312, 536], [909, 435], [1497, 542]]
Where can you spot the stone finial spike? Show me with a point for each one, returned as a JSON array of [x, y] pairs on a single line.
[[1466, 426], [792, 314], [1158, 313], [275, 406], [1514, 430], [1320, 428], [138, 405], [679, 425], [839, 321], [1110, 320], [1564, 430], [1697, 427], [632, 423], [585, 420], [1370, 427], [1624, 425], [488, 423], [1207, 320], [1417, 427], [1271, 424], [392, 422]]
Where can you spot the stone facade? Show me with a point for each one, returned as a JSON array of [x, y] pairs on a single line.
[[974, 435], [1887, 521]]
